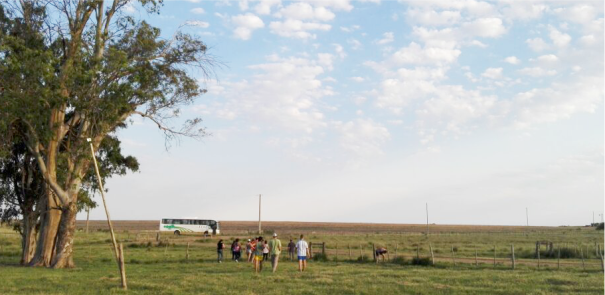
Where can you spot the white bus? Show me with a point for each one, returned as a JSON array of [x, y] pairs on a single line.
[[179, 226]]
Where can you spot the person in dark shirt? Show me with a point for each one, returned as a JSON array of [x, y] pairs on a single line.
[[219, 250], [237, 250], [291, 250], [380, 252]]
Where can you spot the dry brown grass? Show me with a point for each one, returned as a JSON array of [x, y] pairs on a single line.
[[237, 227]]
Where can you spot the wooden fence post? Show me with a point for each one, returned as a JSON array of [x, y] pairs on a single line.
[[512, 255], [388, 256], [558, 257], [476, 261], [166, 249], [323, 249], [538, 253], [374, 253], [432, 256], [157, 237], [310, 250], [582, 256], [601, 256], [396, 246], [122, 267], [361, 251], [187, 253], [494, 255], [453, 257], [349, 251]]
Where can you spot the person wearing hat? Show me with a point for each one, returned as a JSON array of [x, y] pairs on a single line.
[[274, 250]]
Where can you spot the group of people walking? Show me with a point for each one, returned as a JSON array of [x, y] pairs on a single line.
[[259, 250]]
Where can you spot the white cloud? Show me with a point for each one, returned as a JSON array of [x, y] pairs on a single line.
[[484, 27], [304, 11], [548, 59], [350, 29], [513, 60], [493, 73], [430, 17], [198, 10], [561, 101], [387, 38], [358, 79], [363, 137], [264, 6], [537, 44], [297, 29], [284, 93], [406, 86], [536, 72], [454, 109], [415, 54], [197, 23], [588, 40], [246, 24], [523, 10], [243, 5], [559, 39], [355, 44], [478, 44], [340, 51], [581, 13]]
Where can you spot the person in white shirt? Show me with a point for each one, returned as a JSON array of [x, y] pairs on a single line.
[[303, 250]]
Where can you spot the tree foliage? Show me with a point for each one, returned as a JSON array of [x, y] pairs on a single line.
[[76, 69]]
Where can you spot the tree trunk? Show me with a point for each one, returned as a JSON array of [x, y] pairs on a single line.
[[28, 238], [65, 238], [49, 224]]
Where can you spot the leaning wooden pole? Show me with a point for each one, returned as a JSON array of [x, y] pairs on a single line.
[[113, 236], [87, 217], [122, 268]]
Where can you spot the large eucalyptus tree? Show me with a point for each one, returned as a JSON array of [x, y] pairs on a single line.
[[77, 69]]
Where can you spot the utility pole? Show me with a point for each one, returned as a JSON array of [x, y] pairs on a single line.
[[260, 231], [527, 216], [427, 219]]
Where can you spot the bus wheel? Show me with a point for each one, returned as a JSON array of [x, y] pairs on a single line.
[[177, 233]]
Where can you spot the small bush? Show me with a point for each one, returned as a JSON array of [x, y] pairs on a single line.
[[423, 261], [600, 226], [400, 260], [320, 257]]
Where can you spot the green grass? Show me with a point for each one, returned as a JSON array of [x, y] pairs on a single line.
[[161, 270]]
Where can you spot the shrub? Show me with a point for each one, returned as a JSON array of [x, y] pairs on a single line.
[[600, 226], [320, 257], [423, 261], [400, 260]]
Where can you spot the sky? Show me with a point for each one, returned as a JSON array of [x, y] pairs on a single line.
[[367, 111]]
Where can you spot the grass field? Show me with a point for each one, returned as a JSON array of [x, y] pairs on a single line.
[[161, 268]]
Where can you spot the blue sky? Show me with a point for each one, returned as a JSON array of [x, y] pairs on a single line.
[[363, 111]]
